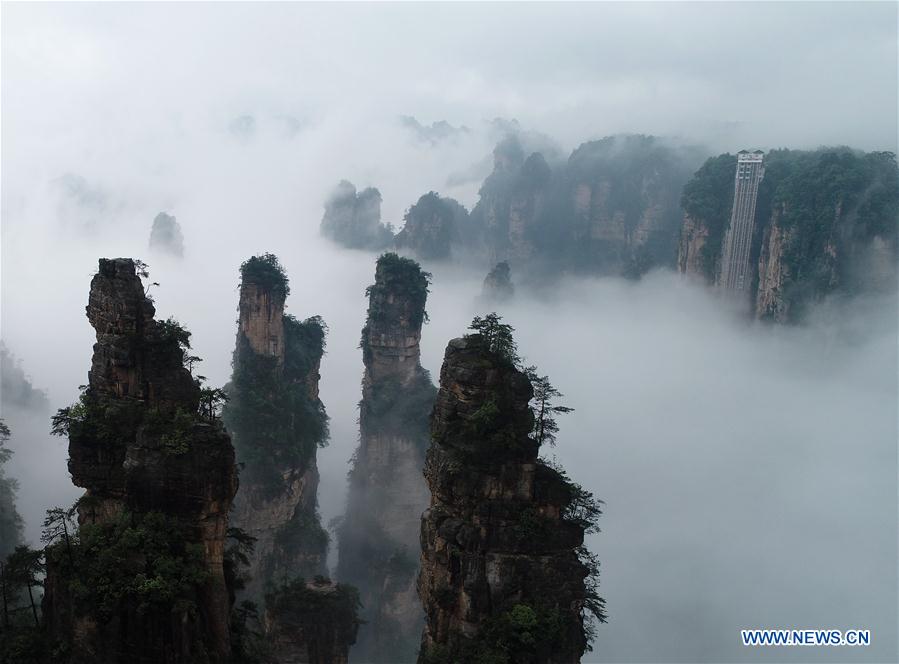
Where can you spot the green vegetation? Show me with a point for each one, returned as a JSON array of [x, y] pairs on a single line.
[[579, 506], [321, 614], [498, 337], [545, 426], [135, 560], [583, 509], [390, 406], [106, 421], [22, 640], [276, 419], [629, 179], [432, 225], [832, 203], [175, 429], [708, 199], [266, 272], [398, 296], [10, 521], [169, 331], [303, 533], [524, 634], [406, 281]]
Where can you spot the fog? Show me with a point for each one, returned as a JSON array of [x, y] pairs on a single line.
[[749, 471]]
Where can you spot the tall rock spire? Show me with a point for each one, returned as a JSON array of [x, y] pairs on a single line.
[[144, 581], [379, 536], [504, 571], [278, 422]]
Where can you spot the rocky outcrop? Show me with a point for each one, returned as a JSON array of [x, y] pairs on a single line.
[[166, 236], [503, 568], [146, 581], [278, 422], [354, 219], [312, 622], [379, 534], [498, 286], [432, 227]]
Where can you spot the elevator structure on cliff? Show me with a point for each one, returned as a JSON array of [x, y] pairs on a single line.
[[735, 270]]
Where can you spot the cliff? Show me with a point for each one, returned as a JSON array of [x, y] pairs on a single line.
[[610, 209], [379, 535], [353, 219], [504, 573], [145, 580], [825, 227]]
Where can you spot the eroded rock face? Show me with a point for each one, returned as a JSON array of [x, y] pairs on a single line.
[[261, 319], [497, 543], [693, 238], [769, 300], [380, 531], [146, 460]]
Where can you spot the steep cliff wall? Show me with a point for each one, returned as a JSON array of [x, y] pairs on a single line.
[[379, 535], [610, 209], [145, 582], [825, 227], [772, 272], [504, 573], [512, 203]]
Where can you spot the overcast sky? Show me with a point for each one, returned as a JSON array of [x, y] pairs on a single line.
[[770, 505]]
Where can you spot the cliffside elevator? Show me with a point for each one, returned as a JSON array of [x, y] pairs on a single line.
[[735, 269]]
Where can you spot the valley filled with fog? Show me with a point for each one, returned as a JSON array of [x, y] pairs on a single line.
[[748, 470]]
